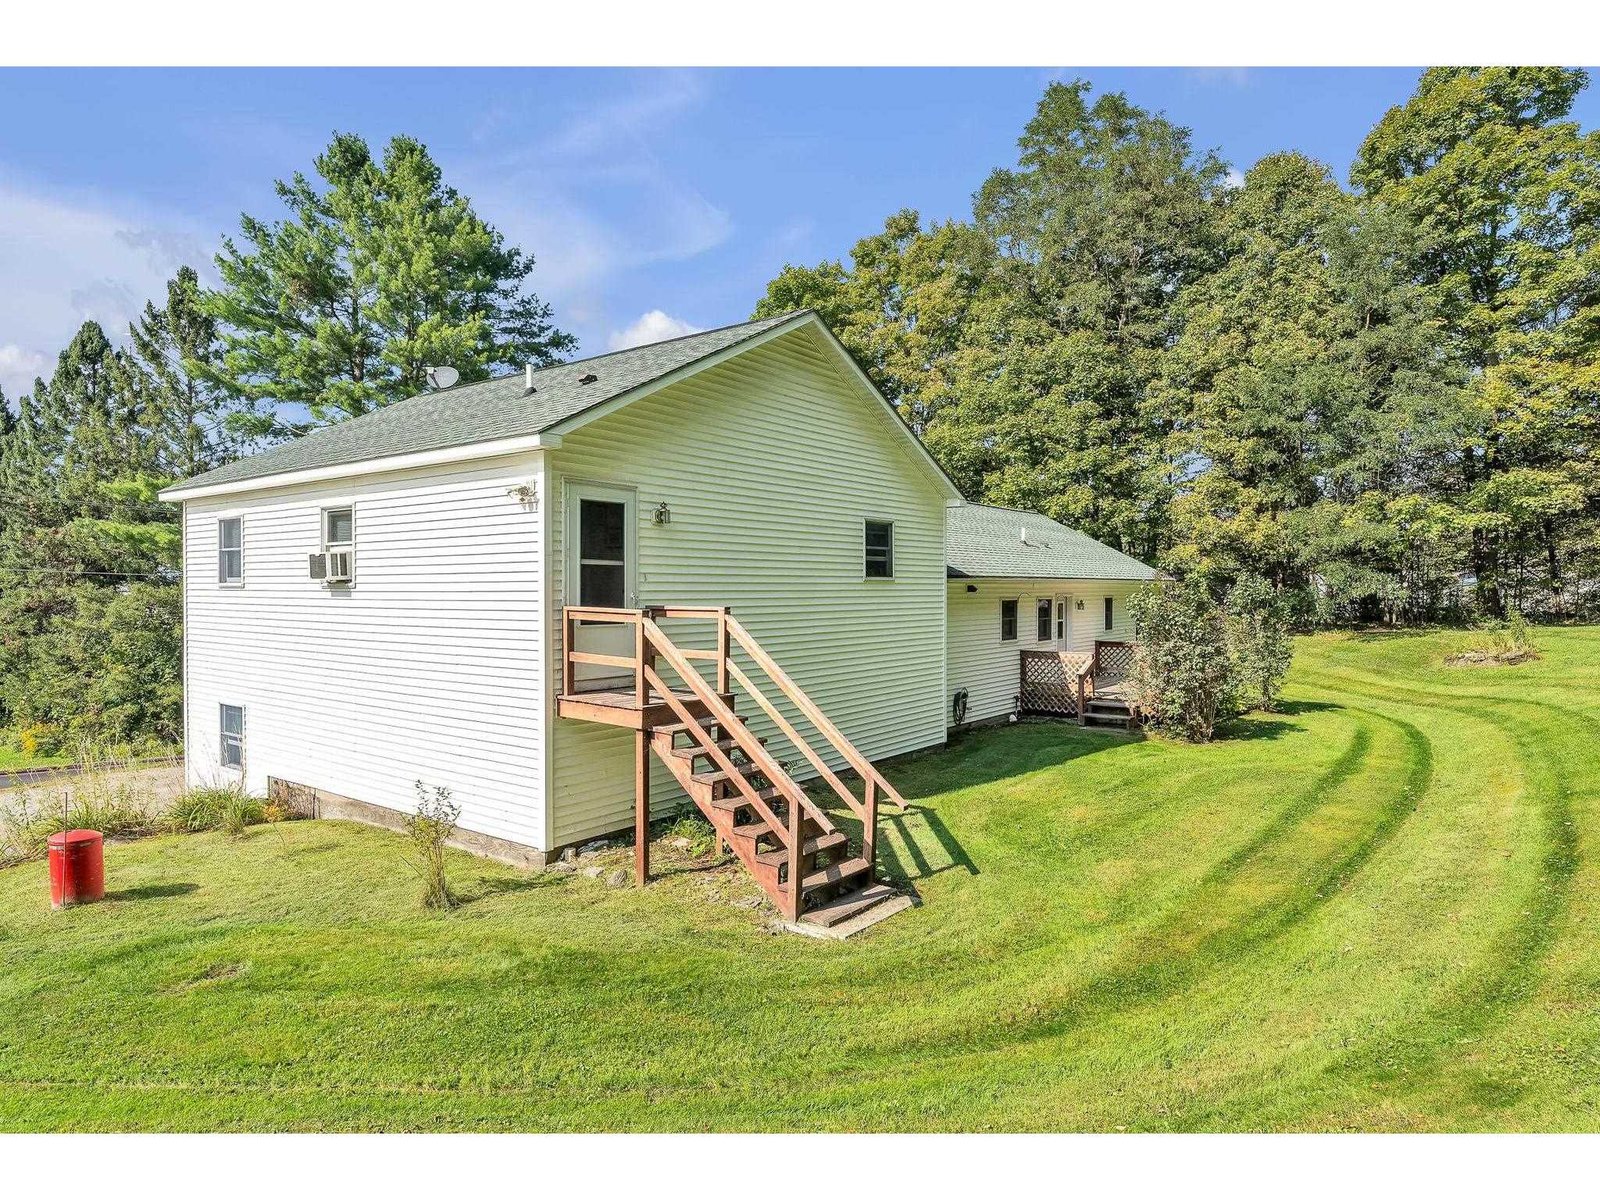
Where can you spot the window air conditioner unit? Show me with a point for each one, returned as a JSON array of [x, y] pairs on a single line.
[[334, 566]]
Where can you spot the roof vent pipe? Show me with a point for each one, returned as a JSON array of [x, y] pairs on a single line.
[[527, 377]]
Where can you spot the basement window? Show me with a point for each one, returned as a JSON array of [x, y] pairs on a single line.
[[230, 550], [1008, 620], [880, 549], [232, 737], [1041, 622]]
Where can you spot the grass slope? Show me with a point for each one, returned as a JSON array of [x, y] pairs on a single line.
[[1373, 911]]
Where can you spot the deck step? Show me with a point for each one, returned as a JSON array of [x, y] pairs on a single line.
[[848, 905], [737, 801], [830, 874], [828, 841], [699, 751], [709, 777], [707, 723]]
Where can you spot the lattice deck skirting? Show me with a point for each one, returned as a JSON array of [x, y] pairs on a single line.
[[1050, 682]]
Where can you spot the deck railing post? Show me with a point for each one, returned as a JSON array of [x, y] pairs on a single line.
[[566, 653], [641, 690], [869, 830], [722, 652], [1082, 719], [641, 805], [796, 872]]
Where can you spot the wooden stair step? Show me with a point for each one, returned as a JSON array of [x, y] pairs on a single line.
[[709, 777], [848, 905], [703, 723], [828, 841], [699, 751], [830, 874], [737, 801]]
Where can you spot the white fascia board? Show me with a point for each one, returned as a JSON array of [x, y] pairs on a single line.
[[372, 466]]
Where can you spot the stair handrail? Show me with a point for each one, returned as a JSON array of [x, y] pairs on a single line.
[[730, 724], [814, 714]]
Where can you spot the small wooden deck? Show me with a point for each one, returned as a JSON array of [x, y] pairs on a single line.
[[620, 706], [1090, 688]]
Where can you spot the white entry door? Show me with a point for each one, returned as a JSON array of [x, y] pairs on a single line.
[[601, 539]]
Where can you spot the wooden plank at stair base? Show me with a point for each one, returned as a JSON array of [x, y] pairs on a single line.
[[848, 905]]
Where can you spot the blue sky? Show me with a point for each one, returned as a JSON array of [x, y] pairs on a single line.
[[655, 201]]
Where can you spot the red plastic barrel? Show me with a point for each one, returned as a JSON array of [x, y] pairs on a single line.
[[77, 867]]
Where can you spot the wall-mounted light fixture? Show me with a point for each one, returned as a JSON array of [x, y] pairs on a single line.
[[662, 514], [526, 494], [972, 587], [1080, 605]]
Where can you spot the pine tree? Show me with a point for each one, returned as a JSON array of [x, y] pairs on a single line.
[[171, 348], [374, 276]]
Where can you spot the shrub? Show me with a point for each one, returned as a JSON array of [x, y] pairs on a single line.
[[203, 808], [1258, 635], [429, 828], [1183, 677]]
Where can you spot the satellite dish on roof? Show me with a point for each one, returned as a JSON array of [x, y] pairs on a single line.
[[442, 377]]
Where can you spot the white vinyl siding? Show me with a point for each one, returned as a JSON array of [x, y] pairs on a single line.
[[431, 669], [987, 666], [769, 463]]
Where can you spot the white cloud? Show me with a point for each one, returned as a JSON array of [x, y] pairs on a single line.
[[19, 368], [653, 326], [66, 260], [594, 200]]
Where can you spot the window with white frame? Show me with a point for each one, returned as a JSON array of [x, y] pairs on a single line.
[[1041, 619], [339, 543], [1110, 613], [879, 549], [230, 550], [232, 736]]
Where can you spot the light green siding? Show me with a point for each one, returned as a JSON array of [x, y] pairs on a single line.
[[769, 462], [989, 668]]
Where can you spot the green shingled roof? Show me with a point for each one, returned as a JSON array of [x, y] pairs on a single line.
[[488, 411], [985, 542]]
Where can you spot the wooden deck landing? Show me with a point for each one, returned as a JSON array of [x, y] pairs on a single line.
[[619, 706]]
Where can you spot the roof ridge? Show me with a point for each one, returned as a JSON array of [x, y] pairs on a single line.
[[573, 362]]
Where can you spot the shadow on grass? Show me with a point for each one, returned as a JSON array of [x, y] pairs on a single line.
[[918, 861], [486, 889], [154, 891]]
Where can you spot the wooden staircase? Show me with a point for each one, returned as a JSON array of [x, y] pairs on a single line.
[[790, 846]]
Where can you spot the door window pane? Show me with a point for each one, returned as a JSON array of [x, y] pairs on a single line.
[[600, 530], [602, 585]]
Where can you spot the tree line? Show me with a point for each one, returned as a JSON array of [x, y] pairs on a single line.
[[1381, 397], [376, 271], [1378, 395]]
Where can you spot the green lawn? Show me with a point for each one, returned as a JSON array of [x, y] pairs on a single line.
[[1376, 911]]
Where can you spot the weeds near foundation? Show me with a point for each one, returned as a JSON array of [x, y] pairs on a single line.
[[429, 828]]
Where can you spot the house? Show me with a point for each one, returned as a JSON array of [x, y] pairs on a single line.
[[1037, 618], [578, 595]]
